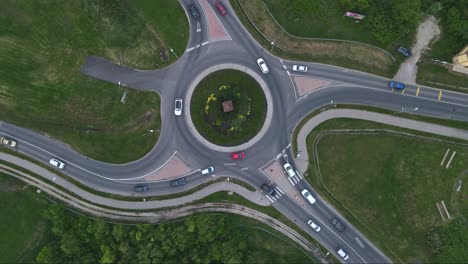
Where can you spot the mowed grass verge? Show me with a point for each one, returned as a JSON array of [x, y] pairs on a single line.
[[439, 76], [388, 185], [346, 54], [43, 45], [23, 231], [239, 125]]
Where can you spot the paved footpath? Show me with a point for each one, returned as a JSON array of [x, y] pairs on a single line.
[[302, 161]]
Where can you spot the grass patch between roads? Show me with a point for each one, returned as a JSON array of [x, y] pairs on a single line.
[[387, 185], [234, 127], [254, 15], [43, 44]]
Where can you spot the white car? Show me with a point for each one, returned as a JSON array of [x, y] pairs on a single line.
[[57, 163], [208, 170], [314, 226], [178, 106], [308, 196], [8, 142], [289, 170], [299, 68], [261, 63], [342, 253]]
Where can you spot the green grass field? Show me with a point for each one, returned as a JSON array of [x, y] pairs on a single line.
[[249, 107], [387, 185], [318, 19], [430, 74], [43, 45], [21, 227]]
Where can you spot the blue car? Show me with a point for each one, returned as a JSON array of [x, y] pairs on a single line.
[[396, 85], [406, 52]]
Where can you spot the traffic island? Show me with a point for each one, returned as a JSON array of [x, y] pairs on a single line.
[[228, 107]]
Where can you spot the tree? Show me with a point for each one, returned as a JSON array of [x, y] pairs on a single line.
[[107, 255]]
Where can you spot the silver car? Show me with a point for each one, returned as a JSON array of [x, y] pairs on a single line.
[[178, 106], [57, 163], [314, 226], [299, 68]]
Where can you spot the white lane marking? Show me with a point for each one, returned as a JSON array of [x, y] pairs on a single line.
[[281, 61], [279, 190], [244, 169], [204, 43], [284, 66], [190, 49], [198, 26], [300, 176], [289, 74], [229, 164], [197, 46], [269, 199], [359, 242], [292, 183]]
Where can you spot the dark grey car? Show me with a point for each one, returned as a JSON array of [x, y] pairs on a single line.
[[141, 188], [268, 189], [194, 11], [178, 182], [338, 225]]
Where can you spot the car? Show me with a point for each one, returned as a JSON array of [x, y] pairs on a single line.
[[405, 51], [299, 68], [289, 170], [208, 170], [178, 106], [261, 63], [141, 188], [57, 163], [8, 142], [338, 225], [314, 226], [268, 189], [396, 85], [194, 11], [238, 155], [342, 253], [220, 8], [308, 196], [178, 182]]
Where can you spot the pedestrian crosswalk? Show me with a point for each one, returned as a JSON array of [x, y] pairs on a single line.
[[295, 179], [278, 194]]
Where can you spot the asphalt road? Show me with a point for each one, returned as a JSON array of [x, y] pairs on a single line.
[[348, 87]]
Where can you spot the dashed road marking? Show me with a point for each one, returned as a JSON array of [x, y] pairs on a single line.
[[244, 169], [229, 164], [359, 242], [417, 91], [279, 190], [440, 95], [403, 91], [197, 46], [289, 74], [204, 43], [284, 66], [190, 49]]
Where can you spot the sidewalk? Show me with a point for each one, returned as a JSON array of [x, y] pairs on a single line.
[[302, 161]]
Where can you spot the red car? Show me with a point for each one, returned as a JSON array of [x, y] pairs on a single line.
[[238, 155], [220, 7]]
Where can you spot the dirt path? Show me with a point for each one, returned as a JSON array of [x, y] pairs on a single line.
[[427, 31]]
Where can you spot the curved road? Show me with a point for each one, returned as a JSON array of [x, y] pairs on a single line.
[[206, 50]]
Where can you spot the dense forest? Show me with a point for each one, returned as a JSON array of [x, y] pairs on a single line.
[[202, 238]]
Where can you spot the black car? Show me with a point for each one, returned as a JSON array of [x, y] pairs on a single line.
[[194, 11], [268, 189], [141, 188], [178, 182], [338, 225]]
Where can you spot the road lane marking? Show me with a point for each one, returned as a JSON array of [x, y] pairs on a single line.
[[229, 164], [269, 199], [244, 169], [417, 91], [403, 91], [279, 189], [440, 95], [197, 46], [198, 27], [190, 49], [393, 89], [359, 242], [204, 43], [284, 66]]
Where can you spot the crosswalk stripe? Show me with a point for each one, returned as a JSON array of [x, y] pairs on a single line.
[[279, 190], [270, 199], [300, 176], [292, 183]]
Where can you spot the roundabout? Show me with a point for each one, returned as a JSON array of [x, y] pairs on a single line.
[[228, 132]]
